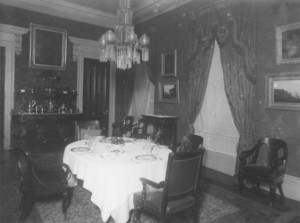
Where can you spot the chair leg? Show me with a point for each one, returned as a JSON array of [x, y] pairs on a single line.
[[67, 198], [136, 215], [241, 183], [272, 194], [279, 185], [195, 213], [26, 205]]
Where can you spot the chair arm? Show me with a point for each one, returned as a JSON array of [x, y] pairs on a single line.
[[152, 183], [279, 164]]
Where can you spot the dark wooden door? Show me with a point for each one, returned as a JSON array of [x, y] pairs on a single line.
[[96, 92], [2, 74]]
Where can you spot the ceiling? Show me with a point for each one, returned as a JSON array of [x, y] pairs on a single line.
[[97, 12]]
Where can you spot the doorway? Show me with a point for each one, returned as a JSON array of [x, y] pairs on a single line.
[[2, 76], [95, 104]]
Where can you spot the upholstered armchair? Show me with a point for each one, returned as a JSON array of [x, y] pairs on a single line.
[[178, 193], [264, 163], [189, 143]]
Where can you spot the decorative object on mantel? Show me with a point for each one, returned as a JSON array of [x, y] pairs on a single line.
[[47, 97], [123, 45], [46, 100]]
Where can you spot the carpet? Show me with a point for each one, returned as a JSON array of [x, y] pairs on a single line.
[[217, 205]]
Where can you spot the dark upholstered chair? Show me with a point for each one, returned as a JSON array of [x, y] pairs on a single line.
[[189, 143], [42, 176], [178, 193], [265, 162], [139, 131]]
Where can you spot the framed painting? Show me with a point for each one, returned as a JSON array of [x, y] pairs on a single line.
[[288, 44], [169, 63], [283, 92], [48, 47], [169, 91]]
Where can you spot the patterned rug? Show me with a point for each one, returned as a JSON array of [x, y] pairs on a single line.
[[216, 206]]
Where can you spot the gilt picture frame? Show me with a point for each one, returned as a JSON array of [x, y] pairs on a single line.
[[169, 63], [288, 44], [48, 47], [283, 91], [169, 91]]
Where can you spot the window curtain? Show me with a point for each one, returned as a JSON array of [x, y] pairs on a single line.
[[143, 93], [238, 63], [199, 56]]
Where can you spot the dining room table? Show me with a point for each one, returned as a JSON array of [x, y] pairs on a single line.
[[111, 167]]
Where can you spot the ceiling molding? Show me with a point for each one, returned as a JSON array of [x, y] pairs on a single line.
[[66, 10], [155, 8]]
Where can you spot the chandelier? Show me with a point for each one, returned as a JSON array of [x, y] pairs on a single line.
[[123, 46]]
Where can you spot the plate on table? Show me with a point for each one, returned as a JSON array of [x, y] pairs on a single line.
[[80, 149], [145, 158], [117, 151]]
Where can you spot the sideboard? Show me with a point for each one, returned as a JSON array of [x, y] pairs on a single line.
[[48, 131]]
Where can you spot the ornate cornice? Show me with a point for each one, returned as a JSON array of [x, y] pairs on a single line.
[[17, 32], [67, 10], [84, 46], [154, 8]]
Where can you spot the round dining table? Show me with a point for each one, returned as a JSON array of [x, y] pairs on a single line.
[[111, 168]]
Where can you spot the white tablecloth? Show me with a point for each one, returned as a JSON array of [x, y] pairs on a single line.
[[111, 172]]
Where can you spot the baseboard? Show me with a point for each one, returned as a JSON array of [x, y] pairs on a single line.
[[225, 163]]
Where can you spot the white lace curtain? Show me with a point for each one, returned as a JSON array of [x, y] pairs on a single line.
[[143, 96]]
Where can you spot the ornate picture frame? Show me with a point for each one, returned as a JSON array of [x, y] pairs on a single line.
[[169, 91], [283, 91], [288, 44], [169, 63], [48, 47]]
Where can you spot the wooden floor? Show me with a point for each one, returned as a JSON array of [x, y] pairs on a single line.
[[9, 174]]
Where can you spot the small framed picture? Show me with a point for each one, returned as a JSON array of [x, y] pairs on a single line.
[[288, 44], [169, 91], [283, 92], [169, 63]]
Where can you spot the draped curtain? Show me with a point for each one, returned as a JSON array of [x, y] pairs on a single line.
[[238, 63], [199, 57], [234, 28]]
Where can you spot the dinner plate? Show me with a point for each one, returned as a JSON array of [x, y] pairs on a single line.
[[146, 158], [80, 149], [117, 151]]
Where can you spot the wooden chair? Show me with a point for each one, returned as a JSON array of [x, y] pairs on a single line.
[[87, 128], [139, 131], [121, 128], [265, 162], [177, 193], [42, 176]]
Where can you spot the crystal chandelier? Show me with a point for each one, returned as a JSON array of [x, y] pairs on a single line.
[[123, 46]]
